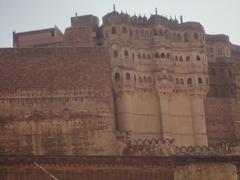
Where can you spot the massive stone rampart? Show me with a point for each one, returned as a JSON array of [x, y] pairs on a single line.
[[56, 101]]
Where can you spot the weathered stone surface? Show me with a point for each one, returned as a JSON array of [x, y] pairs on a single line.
[[56, 101]]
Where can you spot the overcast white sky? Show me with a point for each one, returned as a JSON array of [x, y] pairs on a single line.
[[217, 16]]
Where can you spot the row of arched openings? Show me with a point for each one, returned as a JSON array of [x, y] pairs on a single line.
[[177, 37], [189, 81], [157, 55], [117, 77], [145, 79]]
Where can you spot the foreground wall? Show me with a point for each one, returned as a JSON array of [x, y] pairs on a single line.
[[210, 171], [118, 168], [56, 101]]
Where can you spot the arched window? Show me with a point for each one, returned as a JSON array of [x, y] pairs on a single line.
[[196, 36], [177, 81], [181, 59], [139, 56], [135, 79], [174, 37], [124, 30], [182, 81], [166, 34], [140, 79], [188, 58], [144, 79], [164, 76], [126, 54], [133, 56], [170, 78], [163, 55], [115, 54], [160, 32], [189, 81], [170, 35], [117, 77], [146, 34], [168, 55], [186, 38], [198, 58], [144, 56], [176, 58], [179, 37], [114, 30], [128, 77], [155, 32], [156, 55], [142, 33], [200, 80], [149, 57]]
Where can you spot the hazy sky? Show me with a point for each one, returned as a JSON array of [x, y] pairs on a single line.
[[217, 16]]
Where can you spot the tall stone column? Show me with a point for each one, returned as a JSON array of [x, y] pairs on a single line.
[[164, 114], [198, 118]]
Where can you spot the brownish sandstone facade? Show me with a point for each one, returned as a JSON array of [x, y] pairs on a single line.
[[133, 89]]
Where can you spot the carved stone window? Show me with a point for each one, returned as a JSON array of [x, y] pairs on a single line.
[[128, 76], [182, 81], [189, 81], [179, 38], [168, 55], [155, 32], [198, 58], [139, 56], [114, 30], [186, 38], [188, 58], [115, 54], [174, 37], [124, 30], [144, 56], [145, 79], [200, 81], [181, 58], [196, 36], [163, 55], [126, 54], [117, 77], [176, 58], [177, 81]]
